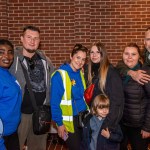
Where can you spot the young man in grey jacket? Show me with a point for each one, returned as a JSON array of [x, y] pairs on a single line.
[[39, 69]]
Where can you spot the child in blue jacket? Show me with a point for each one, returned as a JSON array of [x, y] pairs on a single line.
[[109, 139]]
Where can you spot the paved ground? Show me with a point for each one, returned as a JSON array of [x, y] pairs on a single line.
[[54, 143]]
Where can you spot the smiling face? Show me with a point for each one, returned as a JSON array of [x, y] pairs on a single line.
[[78, 60], [30, 41], [6, 56], [102, 112], [131, 56], [95, 55]]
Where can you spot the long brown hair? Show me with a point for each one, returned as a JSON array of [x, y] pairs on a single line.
[[103, 69]]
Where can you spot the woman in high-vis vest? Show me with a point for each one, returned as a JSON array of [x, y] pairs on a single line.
[[67, 100]]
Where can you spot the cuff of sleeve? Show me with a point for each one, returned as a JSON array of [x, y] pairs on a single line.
[[59, 123]]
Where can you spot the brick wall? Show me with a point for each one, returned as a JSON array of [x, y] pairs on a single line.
[[3, 19], [66, 22]]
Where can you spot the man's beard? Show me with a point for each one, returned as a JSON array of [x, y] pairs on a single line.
[[30, 50]]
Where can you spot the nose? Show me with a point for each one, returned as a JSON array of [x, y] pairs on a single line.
[[5, 54], [32, 40], [105, 110], [129, 56], [94, 54]]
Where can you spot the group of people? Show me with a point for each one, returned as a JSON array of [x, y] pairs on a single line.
[[119, 110], [15, 104], [119, 107]]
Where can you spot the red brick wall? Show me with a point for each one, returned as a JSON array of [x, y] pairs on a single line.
[[66, 22], [3, 19]]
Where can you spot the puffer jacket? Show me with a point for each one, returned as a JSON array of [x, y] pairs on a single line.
[[137, 104]]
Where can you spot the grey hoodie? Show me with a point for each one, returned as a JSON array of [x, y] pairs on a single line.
[[17, 71]]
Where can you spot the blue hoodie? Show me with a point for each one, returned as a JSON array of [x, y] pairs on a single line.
[[10, 102], [57, 91], [2, 146]]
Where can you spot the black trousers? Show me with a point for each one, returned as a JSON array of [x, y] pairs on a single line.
[[12, 142], [74, 139], [134, 138]]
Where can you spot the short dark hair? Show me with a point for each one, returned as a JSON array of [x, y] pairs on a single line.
[[79, 47], [148, 28], [33, 28], [6, 42]]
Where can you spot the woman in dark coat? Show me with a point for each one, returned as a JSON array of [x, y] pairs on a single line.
[[108, 82], [135, 122]]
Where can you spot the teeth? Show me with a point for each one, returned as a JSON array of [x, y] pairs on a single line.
[[5, 61]]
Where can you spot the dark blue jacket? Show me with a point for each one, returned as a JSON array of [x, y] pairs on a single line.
[[102, 143]]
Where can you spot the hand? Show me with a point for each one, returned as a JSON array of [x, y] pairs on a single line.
[[105, 133], [140, 76], [62, 131], [145, 134]]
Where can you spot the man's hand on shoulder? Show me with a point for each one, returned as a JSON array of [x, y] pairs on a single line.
[[140, 76]]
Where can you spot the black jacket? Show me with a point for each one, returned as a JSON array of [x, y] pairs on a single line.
[[137, 104], [114, 90]]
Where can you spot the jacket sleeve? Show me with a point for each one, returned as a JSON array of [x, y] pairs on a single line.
[[2, 145], [146, 126], [116, 135], [122, 68], [114, 90], [57, 90], [51, 67]]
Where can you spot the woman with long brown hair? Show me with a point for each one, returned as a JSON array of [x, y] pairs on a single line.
[[108, 82]]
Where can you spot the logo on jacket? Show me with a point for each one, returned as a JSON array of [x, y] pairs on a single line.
[[73, 82]]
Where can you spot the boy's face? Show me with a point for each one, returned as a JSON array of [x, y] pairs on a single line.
[[6, 56], [102, 112]]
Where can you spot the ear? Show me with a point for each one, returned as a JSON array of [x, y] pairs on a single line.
[[21, 38], [70, 57]]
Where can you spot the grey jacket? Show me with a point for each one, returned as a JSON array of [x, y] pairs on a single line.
[[17, 71]]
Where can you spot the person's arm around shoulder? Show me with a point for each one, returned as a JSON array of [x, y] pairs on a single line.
[[140, 75]]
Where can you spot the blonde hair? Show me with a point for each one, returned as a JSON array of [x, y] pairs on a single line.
[[103, 69], [100, 101]]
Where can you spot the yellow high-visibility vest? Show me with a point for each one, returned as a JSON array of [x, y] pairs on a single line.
[[66, 102]]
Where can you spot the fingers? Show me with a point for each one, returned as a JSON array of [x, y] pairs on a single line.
[[142, 71], [105, 133], [145, 134], [141, 77], [61, 131]]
